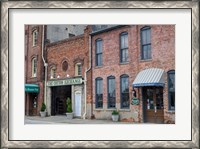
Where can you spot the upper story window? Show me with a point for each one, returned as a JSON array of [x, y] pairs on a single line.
[[145, 43], [78, 69], [53, 72], [124, 85], [123, 47], [99, 92], [64, 65], [171, 89], [99, 52], [111, 92], [35, 37], [34, 67]]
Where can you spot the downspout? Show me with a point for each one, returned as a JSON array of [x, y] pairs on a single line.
[[85, 76], [45, 65]]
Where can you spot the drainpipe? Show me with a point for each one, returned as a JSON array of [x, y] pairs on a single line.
[[45, 65], [85, 76]]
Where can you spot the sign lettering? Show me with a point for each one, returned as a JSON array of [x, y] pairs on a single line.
[[71, 81]]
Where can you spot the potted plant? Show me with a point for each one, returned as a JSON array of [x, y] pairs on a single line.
[[69, 109], [43, 110], [115, 115]]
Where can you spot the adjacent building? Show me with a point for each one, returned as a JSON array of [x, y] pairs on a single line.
[[133, 71], [129, 68]]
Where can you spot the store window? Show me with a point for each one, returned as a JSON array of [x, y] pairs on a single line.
[[124, 85], [111, 92], [171, 89], [99, 52], [34, 67], [35, 37], [123, 47], [78, 69], [146, 43], [99, 92], [53, 72]]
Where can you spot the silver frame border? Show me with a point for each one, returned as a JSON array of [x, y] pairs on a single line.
[[6, 143]]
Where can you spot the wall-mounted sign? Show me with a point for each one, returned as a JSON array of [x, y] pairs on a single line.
[[71, 81], [31, 88], [135, 101]]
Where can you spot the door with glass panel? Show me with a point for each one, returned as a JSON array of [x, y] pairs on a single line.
[[153, 108]]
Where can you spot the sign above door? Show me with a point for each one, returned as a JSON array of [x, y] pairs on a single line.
[[70, 81]]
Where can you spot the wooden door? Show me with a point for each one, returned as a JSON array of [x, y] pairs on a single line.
[[153, 104]]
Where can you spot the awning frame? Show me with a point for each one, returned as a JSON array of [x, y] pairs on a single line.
[[149, 77]]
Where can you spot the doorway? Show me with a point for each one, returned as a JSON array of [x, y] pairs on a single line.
[[77, 104], [153, 108], [58, 99], [32, 107]]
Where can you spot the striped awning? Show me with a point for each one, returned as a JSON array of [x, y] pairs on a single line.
[[149, 77]]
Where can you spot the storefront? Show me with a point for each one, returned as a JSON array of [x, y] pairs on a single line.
[[151, 84], [58, 91], [31, 100]]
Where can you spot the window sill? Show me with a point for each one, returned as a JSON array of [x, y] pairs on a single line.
[[96, 67], [33, 77], [99, 109], [171, 111], [124, 63], [124, 110], [145, 60], [111, 109], [34, 46]]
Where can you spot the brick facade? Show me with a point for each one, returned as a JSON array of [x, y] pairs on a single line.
[[78, 49], [73, 50], [30, 53], [163, 57]]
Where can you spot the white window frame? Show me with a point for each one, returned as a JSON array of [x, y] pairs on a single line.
[[35, 37], [76, 69], [53, 73], [34, 67]]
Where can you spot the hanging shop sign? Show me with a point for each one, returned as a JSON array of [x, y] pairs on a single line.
[[31, 88], [135, 101], [71, 81]]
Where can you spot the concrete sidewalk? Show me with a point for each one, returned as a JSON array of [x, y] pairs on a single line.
[[62, 119]]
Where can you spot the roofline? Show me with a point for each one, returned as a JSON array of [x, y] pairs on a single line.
[[107, 29], [65, 40]]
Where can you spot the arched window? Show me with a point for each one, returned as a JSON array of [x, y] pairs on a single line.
[[123, 47], [99, 49], [111, 92], [171, 89], [145, 43], [35, 37], [78, 69], [53, 72], [124, 91], [99, 92], [34, 67]]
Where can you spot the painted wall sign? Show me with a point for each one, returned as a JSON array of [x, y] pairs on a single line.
[[135, 101], [71, 81]]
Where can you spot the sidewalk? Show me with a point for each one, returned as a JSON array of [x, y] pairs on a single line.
[[62, 119]]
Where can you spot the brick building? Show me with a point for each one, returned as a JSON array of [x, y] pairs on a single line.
[[68, 61], [134, 60], [129, 68], [34, 69], [36, 39]]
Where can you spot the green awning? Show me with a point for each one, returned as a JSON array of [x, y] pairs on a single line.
[[31, 88]]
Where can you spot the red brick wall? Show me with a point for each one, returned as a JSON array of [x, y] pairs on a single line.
[[30, 52], [72, 50], [163, 56]]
